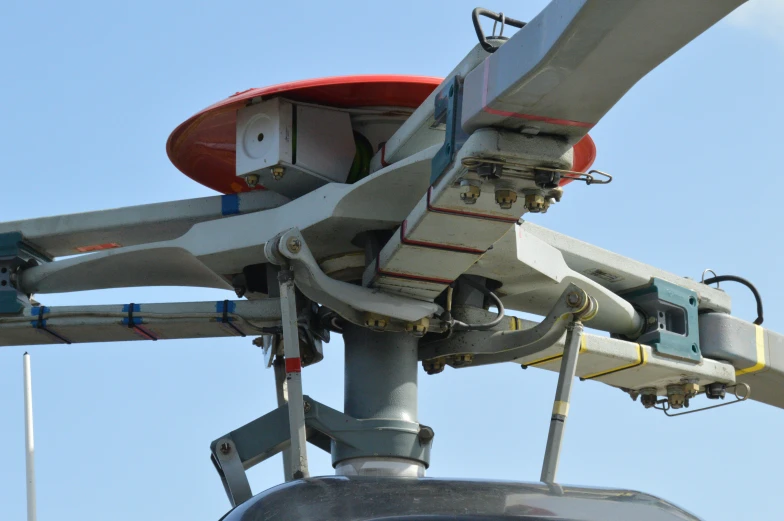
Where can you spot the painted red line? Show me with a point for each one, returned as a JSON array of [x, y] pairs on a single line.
[[383, 155], [433, 245], [294, 365], [408, 276], [143, 332], [530, 117], [464, 213]]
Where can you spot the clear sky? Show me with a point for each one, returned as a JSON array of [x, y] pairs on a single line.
[[89, 92]]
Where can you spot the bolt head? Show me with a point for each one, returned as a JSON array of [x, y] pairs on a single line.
[[252, 180], [225, 448], [294, 245], [278, 172], [573, 299], [505, 198], [470, 194], [307, 406]]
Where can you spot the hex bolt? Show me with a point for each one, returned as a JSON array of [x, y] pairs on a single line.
[[225, 448], [376, 322], [307, 406], [505, 198], [418, 328], [278, 172], [652, 320], [294, 244], [462, 360], [252, 180], [425, 434], [433, 366], [536, 203], [648, 397], [573, 299], [676, 396], [469, 193]]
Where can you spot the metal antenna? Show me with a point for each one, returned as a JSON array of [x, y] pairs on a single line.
[[29, 444]]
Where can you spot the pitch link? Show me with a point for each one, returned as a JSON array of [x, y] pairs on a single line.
[[350, 301]]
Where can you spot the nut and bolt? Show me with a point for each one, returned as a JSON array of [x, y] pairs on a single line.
[[676, 396], [536, 203], [648, 397], [225, 448], [469, 193], [574, 299], [652, 320], [462, 360], [278, 172], [252, 180], [505, 198], [715, 391], [433, 366], [376, 322], [307, 406], [294, 244], [418, 328]]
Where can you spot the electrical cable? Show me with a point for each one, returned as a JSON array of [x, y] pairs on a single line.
[[740, 280], [489, 325]]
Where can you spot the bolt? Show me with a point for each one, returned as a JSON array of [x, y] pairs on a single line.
[[307, 406], [715, 391], [652, 320], [648, 397], [294, 245], [433, 366], [425, 434], [278, 172], [252, 180], [536, 203], [377, 322], [418, 328], [469, 193], [505, 198], [225, 448], [573, 299], [676, 396], [462, 360]]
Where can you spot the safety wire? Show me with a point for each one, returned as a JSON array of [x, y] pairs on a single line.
[[665, 406]]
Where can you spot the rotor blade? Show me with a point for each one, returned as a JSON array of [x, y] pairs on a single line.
[[63, 235], [564, 70], [211, 252]]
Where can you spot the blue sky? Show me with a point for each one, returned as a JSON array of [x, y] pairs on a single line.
[[90, 92]]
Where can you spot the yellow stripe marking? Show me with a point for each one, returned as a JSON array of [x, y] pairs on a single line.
[[561, 408], [642, 359], [583, 349], [760, 341]]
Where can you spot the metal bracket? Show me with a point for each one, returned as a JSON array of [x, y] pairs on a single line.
[[348, 300], [671, 319], [449, 103], [15, 255], [330, 430], [492, 347]]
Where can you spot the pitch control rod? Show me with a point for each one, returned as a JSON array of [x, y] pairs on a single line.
[[563, 390], [288, 308]]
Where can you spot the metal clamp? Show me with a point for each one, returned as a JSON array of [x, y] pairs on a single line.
[[664, 406], [492, 347], [348, 300]]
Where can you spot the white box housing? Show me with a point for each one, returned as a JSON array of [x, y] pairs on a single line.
[[314, 145]]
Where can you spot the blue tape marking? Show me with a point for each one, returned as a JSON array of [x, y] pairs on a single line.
[[219, 306], [136, 307], [136, 321], [230, 204], [37, 310]]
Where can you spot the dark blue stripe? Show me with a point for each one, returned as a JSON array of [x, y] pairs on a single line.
[[136, 321], [219, 306], [136, 307], [230, 204]]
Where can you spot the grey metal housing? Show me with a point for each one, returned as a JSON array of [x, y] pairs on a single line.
[[369, 498]]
